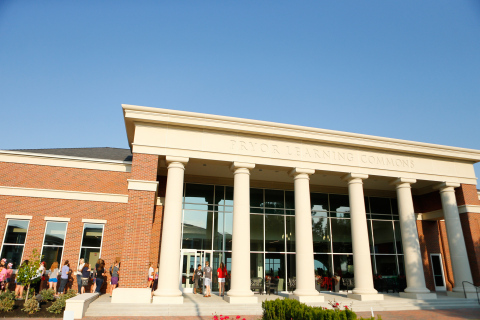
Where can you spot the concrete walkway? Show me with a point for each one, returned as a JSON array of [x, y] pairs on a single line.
[[200, 307]]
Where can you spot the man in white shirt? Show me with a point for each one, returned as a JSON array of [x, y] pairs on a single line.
[[207, 273]]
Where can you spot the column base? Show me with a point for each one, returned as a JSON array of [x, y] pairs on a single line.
[[167, 300], [307, 299], [132, 295], [470, 295], [365, 297], [418, 296], [241, 300]]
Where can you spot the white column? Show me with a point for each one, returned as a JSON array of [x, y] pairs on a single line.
[[456, 242], [305, 276], [168, 291], [362, 261], [416, 287], [240, 274]]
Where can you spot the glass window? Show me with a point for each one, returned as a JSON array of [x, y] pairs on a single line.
[[343, 265], [197, 230], [14, 241], [256, 198], [386, 265], [199, 193], [398, 236], [290, 234], [53, 242], [289, 200], [380, 205], [275, 267], [319, 201], [383, 239], [323, 264], [321, 235], [339, 203], [218, 231], [256, 265], [274, 234], [341, 235], [91, 242], [256, 232], [274, 199], [227, 233]]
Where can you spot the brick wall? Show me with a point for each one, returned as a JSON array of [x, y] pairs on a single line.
[[114, 213], [61, 178], [136, 253]]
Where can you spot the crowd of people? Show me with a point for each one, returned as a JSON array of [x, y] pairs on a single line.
[[89, 278]]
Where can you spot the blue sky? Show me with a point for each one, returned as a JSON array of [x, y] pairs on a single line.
[[399, 69]]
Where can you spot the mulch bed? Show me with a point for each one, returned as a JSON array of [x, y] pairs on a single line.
[[18, 313]]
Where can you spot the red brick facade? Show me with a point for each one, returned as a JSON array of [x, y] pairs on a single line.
[[136, 253], [433, 234], [133, 230]]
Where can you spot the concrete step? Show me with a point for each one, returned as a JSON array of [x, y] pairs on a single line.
[[199, 306]]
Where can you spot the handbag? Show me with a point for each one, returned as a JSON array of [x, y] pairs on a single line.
[[85, 281]]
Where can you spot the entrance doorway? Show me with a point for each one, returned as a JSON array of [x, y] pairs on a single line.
[[438, 275], [189, 260]]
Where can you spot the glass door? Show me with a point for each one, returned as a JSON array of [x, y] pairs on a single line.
[[438, 275], [188, 262]]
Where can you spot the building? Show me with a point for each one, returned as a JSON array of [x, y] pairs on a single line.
[[267, 199]]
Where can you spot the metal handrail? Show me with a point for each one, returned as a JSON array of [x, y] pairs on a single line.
[[476, 290]]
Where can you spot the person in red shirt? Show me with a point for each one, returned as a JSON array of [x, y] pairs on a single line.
[[221, 273]]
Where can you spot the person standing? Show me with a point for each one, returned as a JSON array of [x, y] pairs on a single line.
[[52, 277], [100, 276], [78, 273], [19, 286], [64, 276], [9, 275], [221, 273], [150, 275], [197, 275], [85, 277], [207, 273], [114, 272]]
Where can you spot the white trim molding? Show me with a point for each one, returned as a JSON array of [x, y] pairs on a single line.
[[17, 216], [57, 219], [160, 201], [469, 209], [64, 161], [142, 185], [99, 221], [63, 194]]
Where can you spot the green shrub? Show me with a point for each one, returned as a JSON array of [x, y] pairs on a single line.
[[7, 304], [31, 306], [47, 294], [292, 309], [7, 294], [61, 302], [70, 294], [58, 305]]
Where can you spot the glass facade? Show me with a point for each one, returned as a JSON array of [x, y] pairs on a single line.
[[207, 225], [91, 242], [14, 241], [53, 242]]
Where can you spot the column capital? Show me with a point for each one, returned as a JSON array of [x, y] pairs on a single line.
[[400, 181], [170, 159], [446, 185], [241, 165], [297, 171], [350, 176]]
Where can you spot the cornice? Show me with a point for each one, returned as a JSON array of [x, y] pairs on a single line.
[[63, 194], [64, 161], [138, 114]]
